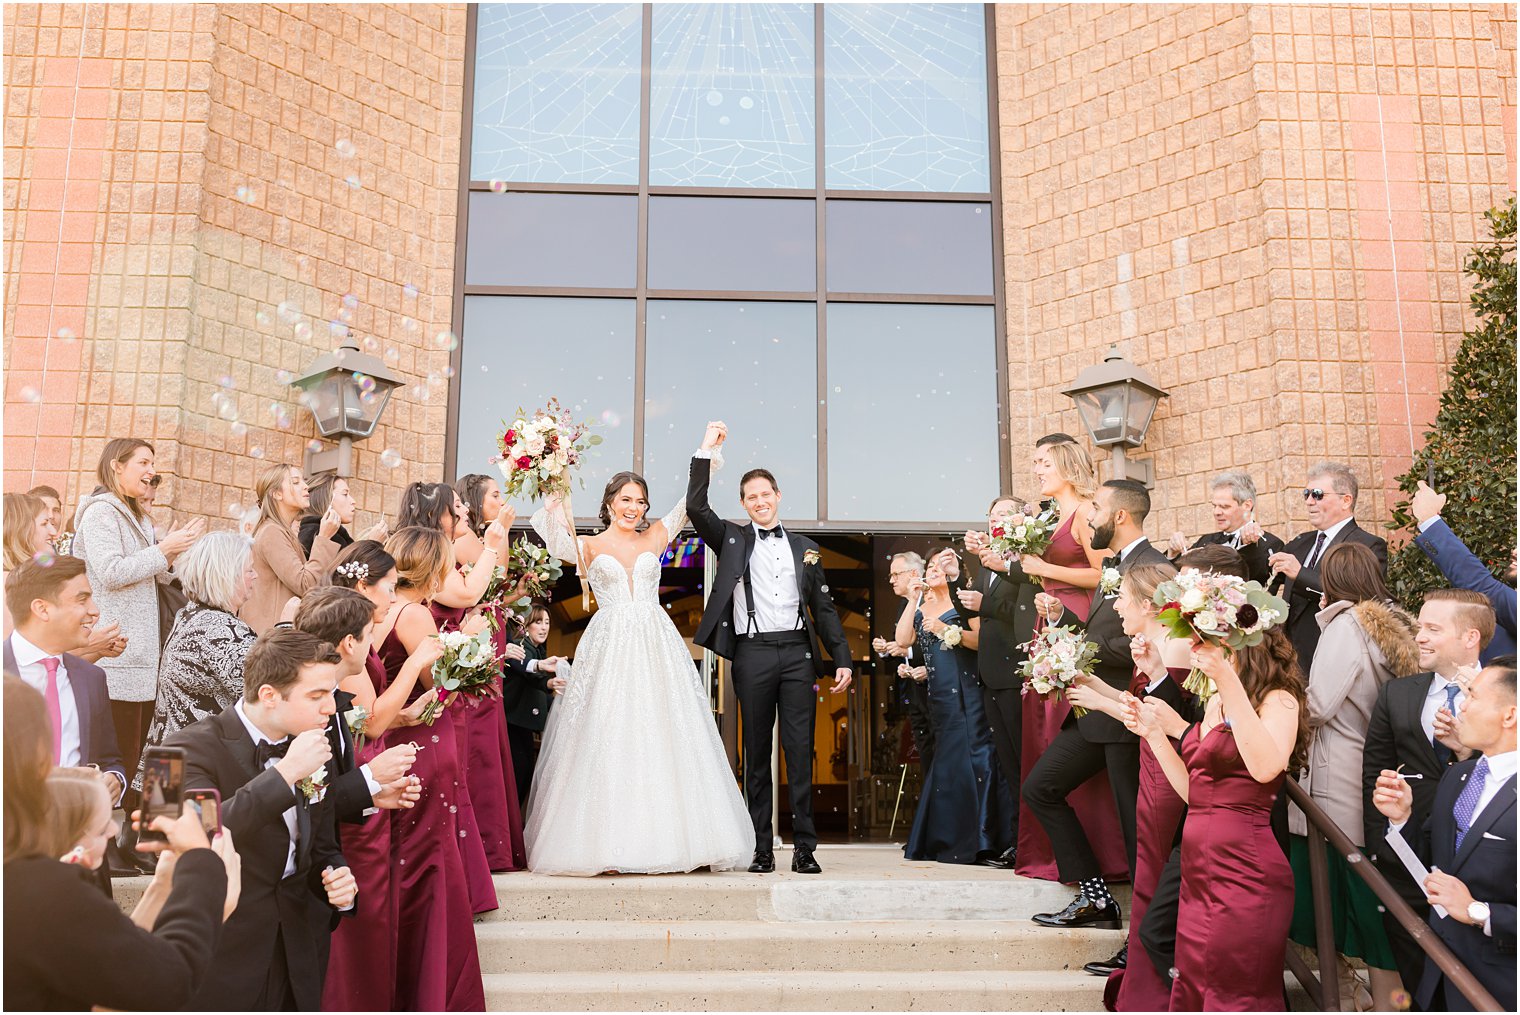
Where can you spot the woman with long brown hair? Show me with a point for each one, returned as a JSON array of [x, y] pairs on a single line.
[[283, 571], [1229, 768]]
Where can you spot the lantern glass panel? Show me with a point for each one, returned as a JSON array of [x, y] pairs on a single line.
[[326, 402], [1142, 406]]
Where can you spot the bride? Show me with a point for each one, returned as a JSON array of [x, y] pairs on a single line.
[[632, 776]]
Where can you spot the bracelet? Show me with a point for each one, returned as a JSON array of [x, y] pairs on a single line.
[[490, 549]]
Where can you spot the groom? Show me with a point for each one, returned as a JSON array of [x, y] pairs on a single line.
[[770, 613]]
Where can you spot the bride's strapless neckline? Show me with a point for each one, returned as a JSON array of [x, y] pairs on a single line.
[[628, 570]]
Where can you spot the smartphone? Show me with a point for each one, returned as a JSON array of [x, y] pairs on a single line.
[[163, 789], [207, 805], [1430, 474]]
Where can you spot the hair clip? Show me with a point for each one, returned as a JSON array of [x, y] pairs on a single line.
[[355, 569]]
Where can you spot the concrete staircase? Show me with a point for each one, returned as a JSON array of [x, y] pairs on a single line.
[[874, 932]]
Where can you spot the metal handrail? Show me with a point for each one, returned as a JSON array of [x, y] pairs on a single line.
[[1327, 985]]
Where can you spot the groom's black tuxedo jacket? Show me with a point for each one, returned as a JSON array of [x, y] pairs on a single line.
[[733, 543], [219, 754]]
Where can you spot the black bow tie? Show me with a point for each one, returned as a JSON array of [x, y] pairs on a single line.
[[1112, 561], [266, 752], [767, 533]]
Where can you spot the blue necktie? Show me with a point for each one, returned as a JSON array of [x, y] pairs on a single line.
[[1467, 804], [1443, 753]]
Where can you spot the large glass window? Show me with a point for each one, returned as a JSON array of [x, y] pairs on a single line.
[[557, 93], [906, 97], [524, 350], [701, 169], [583, 240], [731, 96], [913, 423], [910, 247], [743, 244], [752, 365]]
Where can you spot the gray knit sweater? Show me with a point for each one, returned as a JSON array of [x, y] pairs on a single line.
[[121, 562]]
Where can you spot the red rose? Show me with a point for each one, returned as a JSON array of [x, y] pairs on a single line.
[[525, 462], [508, 437], [997, 532]]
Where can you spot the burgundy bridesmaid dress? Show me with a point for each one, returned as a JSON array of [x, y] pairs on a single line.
[[437, 965], [361, 970], [1237, 887], [1158, 811], [1093, 800], [477, 866]]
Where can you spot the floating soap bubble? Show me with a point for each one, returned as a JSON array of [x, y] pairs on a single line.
[[409, 291], [448, 371], [247, 195], [345, 148], [288, 312], [446, 340], [30, 394], [390, 458], [371, 345], [337, 329], [420, 392], [353, 181], [226, 381], [498, 186], [43, 557], [284, 376], [234, 510], [239, 428], [65, 334], [263, 318], [409, 325], [256, 452], [392, 356], [302, 331], [611, 418], [313, 445]]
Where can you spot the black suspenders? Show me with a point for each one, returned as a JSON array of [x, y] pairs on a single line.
[[749, 598]]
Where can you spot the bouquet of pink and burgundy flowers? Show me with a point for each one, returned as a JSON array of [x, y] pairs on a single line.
[[538, 452], [1057, 657], [1024, 533], [1218, 608]]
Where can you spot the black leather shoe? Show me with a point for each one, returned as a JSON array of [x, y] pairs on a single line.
[[763, 863], [1081, 913], [1003, 861], [1106, 966], [803, 862], [124, 862]]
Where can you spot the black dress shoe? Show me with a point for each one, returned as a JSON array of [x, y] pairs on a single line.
[[1003, 861], [803, 862], [1106, 966], [124, 862], [763, 863], [1081, 913]]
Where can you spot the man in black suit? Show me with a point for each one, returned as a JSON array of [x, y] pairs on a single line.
[[1412, 730], [1233, 500], [915, 693], [1003, 597], [267, 756], [54, 612], [1095, 742], [769, 611], [1330, 499], [344, 618], [1469, 842]]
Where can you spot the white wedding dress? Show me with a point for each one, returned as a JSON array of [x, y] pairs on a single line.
[[632, 776]]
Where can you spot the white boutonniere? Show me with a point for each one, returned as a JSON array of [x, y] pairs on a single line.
[[1109, 583], [810, 556], [357, 719], [314, 786], [950, 636]]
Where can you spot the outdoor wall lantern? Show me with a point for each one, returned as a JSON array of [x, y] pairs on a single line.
[[346, 391], [1116, 400]]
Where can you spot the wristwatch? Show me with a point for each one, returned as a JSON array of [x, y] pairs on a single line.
[[1477, 912]]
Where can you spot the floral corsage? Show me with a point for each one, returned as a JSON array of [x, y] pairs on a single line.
[[810, 556], [314, 786], [950, 636], [357, 720], [1109, 583]]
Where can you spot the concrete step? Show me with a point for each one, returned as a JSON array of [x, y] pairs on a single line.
[[958, 990], [573, 946]]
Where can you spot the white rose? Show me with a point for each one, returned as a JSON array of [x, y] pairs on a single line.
[[1206, 621], [534, 445], [1192, 599]]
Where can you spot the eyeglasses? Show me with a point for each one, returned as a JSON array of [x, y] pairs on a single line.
[[1314, 493], [900, 574]]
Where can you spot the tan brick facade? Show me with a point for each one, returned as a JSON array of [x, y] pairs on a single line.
[[1266, 206]]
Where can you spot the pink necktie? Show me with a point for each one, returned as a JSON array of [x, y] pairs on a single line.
[[55, 709]]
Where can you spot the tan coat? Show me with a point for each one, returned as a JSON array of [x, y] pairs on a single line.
[[284, 572], [1362, 646]]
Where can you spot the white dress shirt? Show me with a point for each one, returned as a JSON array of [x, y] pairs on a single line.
[[289, 814], [1128, 549], [1501, 768], [30, 669], [773, 576], [1435, 700], [1330, 535]]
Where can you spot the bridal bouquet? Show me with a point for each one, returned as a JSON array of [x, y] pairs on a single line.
[[538, 452], [1218, 608], [468, 666], [1057, 656], [1024, 533]]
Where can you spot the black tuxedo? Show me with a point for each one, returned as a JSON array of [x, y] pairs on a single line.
[[774, 673], [1091, 744], [271, 951], [1007, 623], [526, 697], [1396, 737], [1486, 865], [349, 791], [1253, 554], [1303, 593]]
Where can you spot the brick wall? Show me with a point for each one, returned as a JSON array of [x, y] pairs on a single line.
[[1267, 207], [204, 196]]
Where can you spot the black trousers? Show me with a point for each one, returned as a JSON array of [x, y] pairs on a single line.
[[1069, 761], [774, 678], [1158, 928], [1005, 714], [524, 758], [916, 697]]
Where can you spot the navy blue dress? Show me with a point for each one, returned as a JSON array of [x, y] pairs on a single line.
[[963, 808]]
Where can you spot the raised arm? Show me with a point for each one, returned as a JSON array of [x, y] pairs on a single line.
[[707, 460], [1265, 739], [461, 591], [1464, 570], [555, 529]]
